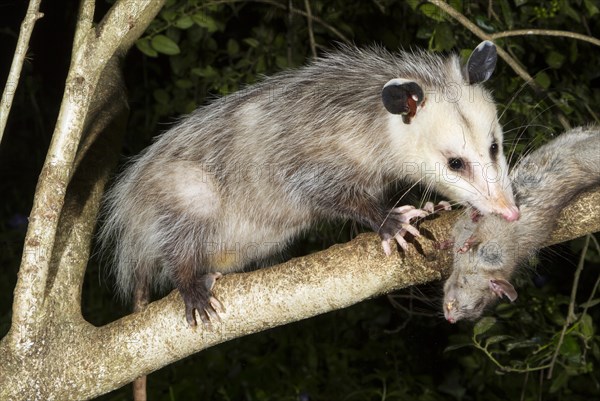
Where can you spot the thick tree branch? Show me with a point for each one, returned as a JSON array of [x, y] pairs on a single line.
[[295, 290], [91, 52]]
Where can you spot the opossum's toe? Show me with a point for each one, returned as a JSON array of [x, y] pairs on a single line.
[[199, 298]]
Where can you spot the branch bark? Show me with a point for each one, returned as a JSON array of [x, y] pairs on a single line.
[[32, 15], [92, 50]]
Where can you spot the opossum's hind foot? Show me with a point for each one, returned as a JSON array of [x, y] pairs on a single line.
[[397, 224], [198, 297]]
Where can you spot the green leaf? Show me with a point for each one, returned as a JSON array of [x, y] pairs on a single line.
[[483, 23], [521, 344], [587, 326], [206, 72], [559, 382], [570, 347], [252, 42], [161, 96], [591, 7], [184, 83], [457, 346], [555, 59], [184, 22], [205, 21], [233, 48], [496, 339], [543, 79], [469, 362], [483, 325], [144, 46], [165, 45], [507, 13], [281, 62], [168, 15], [433, 12], [573, 51], [444, 37]]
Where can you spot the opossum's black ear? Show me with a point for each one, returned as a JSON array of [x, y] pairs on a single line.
[[502, 287], [481, 63], [401, 96]]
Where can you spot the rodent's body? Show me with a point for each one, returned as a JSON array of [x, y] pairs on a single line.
[[236, 180], [488, 251]]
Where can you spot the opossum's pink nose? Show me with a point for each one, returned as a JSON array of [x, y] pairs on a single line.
[[511, 214]]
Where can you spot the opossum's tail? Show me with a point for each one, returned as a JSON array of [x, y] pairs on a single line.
[[141, 298], [122, 216], [129, 243]]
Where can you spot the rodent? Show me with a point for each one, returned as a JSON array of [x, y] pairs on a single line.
[[488, 251], [236, 180]]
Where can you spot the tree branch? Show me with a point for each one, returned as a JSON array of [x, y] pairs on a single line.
[[300, 288], [91, 52], [546, 32], [14, 74], [464, 21]]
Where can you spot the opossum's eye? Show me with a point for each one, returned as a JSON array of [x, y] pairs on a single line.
[[456, 163], [494, 150]]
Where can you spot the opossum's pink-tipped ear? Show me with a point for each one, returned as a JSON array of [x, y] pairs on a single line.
[[401, 96], [481, 63], [502, 287]]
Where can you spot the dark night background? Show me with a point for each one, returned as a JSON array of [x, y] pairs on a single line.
[[384, 349]]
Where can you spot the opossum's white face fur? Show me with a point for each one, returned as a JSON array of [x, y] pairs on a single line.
[[454, 133]]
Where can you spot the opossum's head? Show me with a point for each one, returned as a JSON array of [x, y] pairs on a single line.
[[453, 131]]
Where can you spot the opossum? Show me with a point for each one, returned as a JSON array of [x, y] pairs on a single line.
[[488, 250], [236, 180]]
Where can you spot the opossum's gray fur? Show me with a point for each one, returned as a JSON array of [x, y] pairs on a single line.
[[544, 182], [234, 181]]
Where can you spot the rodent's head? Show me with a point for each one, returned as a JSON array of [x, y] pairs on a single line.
[[454, 134], [484, 261], [466, 296]]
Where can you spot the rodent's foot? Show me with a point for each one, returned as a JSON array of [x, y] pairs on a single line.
[[468, 244], [396, 224], [198, 297]]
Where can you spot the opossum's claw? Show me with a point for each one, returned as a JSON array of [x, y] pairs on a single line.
[[431, 208], [198, 297]]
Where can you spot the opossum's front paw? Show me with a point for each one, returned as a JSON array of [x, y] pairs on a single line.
[[198, 297], [397, 224]]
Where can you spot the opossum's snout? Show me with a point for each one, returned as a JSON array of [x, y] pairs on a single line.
[[498, 201], [506, 208], [511, 213]]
